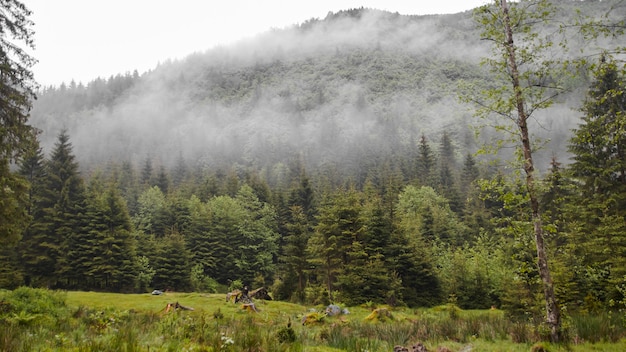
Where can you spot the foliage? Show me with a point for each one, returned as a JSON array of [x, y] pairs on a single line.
[[17, 91], [200, 282], [347, 203]]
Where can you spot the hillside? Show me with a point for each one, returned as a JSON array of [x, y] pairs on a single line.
[[356, 86]]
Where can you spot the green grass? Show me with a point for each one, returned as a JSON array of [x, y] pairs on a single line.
[[92, 321]]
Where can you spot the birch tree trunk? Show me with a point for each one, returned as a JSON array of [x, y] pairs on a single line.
[[552, 309]]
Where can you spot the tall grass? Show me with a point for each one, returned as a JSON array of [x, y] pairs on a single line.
[[600, 327], [32, 319]]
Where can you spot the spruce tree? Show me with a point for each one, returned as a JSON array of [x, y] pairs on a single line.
[[294, 254], [17, 91], [172, 264], [222, 239], [338, 225], [63, 220], [599, 149], [32, 168], [257, 231], [426, 162], [111, 252]]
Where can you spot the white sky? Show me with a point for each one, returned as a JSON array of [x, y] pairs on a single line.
[[86, 39]]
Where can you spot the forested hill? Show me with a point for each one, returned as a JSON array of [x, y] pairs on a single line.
[[343, 91]]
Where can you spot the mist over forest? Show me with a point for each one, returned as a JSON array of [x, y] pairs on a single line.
[[360, 84], [343, 160]]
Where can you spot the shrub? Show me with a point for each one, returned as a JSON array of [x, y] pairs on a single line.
[[32, 306]]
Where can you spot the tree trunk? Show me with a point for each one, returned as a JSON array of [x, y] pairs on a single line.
[[552, 309]]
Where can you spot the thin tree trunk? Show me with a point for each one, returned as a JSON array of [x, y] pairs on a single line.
[[552, 309]]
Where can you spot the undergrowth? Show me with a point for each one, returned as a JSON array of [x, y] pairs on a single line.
[[37, 319]]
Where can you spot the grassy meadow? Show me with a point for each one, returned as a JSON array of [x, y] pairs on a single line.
[[42, 320]]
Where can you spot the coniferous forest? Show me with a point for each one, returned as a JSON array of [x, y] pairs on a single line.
[[340, 160]]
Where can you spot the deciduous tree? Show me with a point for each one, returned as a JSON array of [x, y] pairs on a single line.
[[525, 80]]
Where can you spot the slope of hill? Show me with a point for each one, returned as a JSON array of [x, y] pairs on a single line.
[[357, 85]]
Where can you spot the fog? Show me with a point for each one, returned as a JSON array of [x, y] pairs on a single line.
[[330, 91]]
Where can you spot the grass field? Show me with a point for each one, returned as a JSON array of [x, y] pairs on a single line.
[[92, 321], [275, 313]]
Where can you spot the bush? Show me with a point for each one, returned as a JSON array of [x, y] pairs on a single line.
[[32, 306]]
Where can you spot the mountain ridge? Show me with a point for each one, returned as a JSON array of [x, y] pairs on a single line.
[[358, 84]]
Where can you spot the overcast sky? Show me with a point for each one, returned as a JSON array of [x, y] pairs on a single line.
[[86, 39]]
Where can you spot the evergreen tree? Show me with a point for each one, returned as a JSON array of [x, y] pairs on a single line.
[[294, 257], [222, 239], [32, 168], [447, 181], [302, 195], [180, 171], [17, 90], [112, 262], [146, 172], [469, 174], [338, 226], [475, 214], [365, 278], [599, 148], [197, 234], [425, 162], [63, 220], [162, 180], [65, 211], [128, 184], [377, 223], [413, 263], [172, 264], [258, 244]]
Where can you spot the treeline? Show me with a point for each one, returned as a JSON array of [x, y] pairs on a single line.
[[448, 231]]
